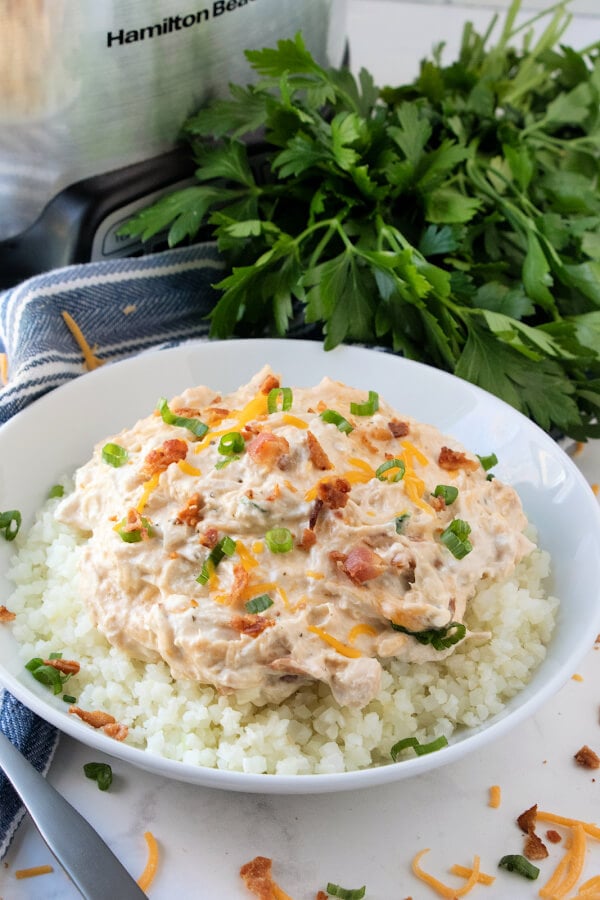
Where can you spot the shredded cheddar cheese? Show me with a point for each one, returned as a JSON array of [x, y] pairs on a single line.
[[444, 890], [576, 677], [252, 410], [413, 454], [294, 421], [90, 359], [359, 629], [568, 871], [187, 468], [495, 796], [252, 590], [258, 547], [466, 872], [4, 368], [147, 876], [147, 488], [283, 594], [333, 642], [246, 558], [317, 575], [33, 872]]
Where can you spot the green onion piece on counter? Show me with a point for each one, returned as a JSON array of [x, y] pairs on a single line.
[[135, 536], [334, 890], [273, 399], [69, 698], [419, 748], [258, 604], [101, 773], [10, 522], [366, 409], [514, 862], [57, 490], [114, 455], [440, 639], [197, 427], [335, 418], [447, 491], [391, 464], [231, 444], [279, 540], [488, 462], [225, 547], [455, 538], [401, 522]]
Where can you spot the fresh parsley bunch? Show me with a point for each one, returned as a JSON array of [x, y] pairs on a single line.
[[455, 218]]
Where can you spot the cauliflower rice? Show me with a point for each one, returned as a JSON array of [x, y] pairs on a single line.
[[309, 733]]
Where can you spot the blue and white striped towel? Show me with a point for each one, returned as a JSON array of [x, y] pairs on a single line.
[[122, 307]]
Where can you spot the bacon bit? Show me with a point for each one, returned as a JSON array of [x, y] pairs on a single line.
[[456, 459], [586, 758], [362, 564], [66, 666], [553, 836], [251, 624], [191, 513], [240, 582], [258, 878], [96, 718], [534, 848], [526, 821], [267, 448], [210, 538], [321, 895], [90, 359], [116, 730], [270, 382], [367, 443], [438, 503], [495, 796], [134, 522], [398, 429], [378, 433], [314, 514], [33, 872], [6, 615], [161, 458], [317, 455], [334, 492], [147, 876], [307, 540], [212, 415], [4, 368], [189, 412]]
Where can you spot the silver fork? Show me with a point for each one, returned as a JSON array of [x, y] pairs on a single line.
[[92, 866]]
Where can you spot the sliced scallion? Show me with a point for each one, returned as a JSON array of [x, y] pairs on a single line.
[[368, 408], [231, 444], [419, 748], [335, 890], [438, 638], [10, 522], [196, 426], [101, 773], [224, 547], [514, 862], [273, 399], [114, 455], [57, 490], [401, 522], [335, 418], [47, 675], [387, 466], [456, 538], [448, 491], [279, 540], [258, 604], [69, 698], [488, 462], [134, 536]]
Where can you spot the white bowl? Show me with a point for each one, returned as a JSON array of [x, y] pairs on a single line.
[[56, 434]]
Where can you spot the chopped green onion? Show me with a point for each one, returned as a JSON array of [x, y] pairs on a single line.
[[334, 890], [55, 655], [197, 427], [57, 490], [114, 455], [273, 399], [224, 461], [391, 464], [514, 862], [10, 522], [439, 638], [401, 522], [279, 540], [135, 536], [47, 675], [259, 604], [231, 444], [420, 749], [101, 773], [69, 698], [447, 491], [225, 547], [455, 538], [366, 409], [335, 418], [488, 462]]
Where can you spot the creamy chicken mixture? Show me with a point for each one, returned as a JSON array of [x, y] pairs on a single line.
[[275, 536]]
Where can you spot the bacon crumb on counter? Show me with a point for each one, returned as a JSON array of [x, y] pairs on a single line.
[[6, 615], [321, 895], [66, 666], [587, 758], [452, 459], [258, 877], [162, 457], [553, 836], [534, 847]]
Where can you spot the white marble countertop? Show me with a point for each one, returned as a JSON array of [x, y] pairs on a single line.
[[364, 837]]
